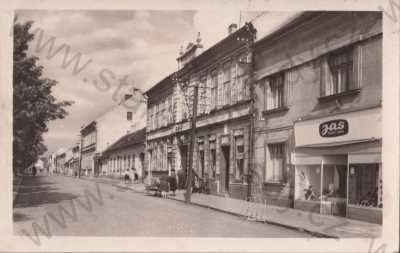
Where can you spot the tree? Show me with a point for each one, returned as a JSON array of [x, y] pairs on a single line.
[[33, 103]]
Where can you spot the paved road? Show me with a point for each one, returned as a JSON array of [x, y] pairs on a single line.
[[105, 210]]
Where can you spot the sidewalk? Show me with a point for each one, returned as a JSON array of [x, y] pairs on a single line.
[[317, 224], [139, 188]]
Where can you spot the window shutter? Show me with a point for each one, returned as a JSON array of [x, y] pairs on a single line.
[[270, 97], [208, 94], [220, 89], [288, 88], [267, 171], [355, 82], [265, 84], [326, 78]]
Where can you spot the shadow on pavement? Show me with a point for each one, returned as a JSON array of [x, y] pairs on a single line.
[[35, 191], [20, 217]]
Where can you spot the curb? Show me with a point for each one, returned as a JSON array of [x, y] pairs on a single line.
[[300, 229], [313, 233]]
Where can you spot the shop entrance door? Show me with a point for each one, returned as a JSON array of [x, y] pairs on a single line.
[[335, 188], [183, 151], [225, 166]]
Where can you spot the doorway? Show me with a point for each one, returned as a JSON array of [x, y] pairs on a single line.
[[225, 165], [334, 186]]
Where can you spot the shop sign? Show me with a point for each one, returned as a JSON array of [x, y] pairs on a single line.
[[348, 127], [334, 128]]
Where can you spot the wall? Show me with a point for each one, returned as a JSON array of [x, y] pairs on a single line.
[[117, 118], [302, 62], [135, 150]]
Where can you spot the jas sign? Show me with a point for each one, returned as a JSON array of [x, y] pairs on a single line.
[[334, 128]]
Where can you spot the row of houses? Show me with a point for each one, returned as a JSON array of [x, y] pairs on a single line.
[[291, 119], [109, 145]]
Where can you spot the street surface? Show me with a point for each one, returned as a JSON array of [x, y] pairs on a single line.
[[105, 210]]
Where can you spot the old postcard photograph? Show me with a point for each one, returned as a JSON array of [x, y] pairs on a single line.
[[143, 126]]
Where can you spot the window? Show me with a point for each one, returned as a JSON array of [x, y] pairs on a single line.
[[275, 162], [227, 84], [214, 93], [339, 73], [170, 110], [220, 90], [239, 155], [234, 86], [213, 161], [365, 185], [341, 67], [202, 97], [274, 91], [129, 116]]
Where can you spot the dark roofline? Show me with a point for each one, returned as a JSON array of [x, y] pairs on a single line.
[[140, 138], [289, 25], [192, 47], [160, 83], [230, 36]]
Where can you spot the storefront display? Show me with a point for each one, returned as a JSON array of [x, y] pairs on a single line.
[[338, 168]]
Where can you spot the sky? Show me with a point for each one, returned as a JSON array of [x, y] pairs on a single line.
[[119, 50]]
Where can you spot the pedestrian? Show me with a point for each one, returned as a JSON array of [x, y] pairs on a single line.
[[164, 187], [172, 182], [136, 176], [126, 176], [33, 171]]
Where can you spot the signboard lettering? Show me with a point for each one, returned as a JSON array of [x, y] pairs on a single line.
[[334, 128]]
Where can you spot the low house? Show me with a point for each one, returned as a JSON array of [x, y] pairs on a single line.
[[126, 153]]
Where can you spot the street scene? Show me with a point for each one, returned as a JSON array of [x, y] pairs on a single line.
[[122, 212], [267, 125]]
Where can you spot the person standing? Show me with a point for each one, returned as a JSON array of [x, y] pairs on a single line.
[[172, 182]]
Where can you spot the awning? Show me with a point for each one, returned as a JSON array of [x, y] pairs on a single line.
[[338, 143], [365, 158]]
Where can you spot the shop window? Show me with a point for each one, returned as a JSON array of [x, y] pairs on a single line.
[[275, 162], [239, 156], [308, 182], [274, 92], [129, 116], [365, 185]]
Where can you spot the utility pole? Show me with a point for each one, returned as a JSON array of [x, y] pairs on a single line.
[[250, 62], [80, 156], [191, 149]]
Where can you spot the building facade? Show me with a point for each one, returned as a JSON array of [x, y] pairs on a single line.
[[222, 74], [318, 98], [221, 148], [98, 135], [125, 154], [160, 153]]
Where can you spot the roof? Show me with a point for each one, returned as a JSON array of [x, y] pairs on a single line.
[[163, 82], [128, 140]]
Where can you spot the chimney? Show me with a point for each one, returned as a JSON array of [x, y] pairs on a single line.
[[232, 28], [127, 96]]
